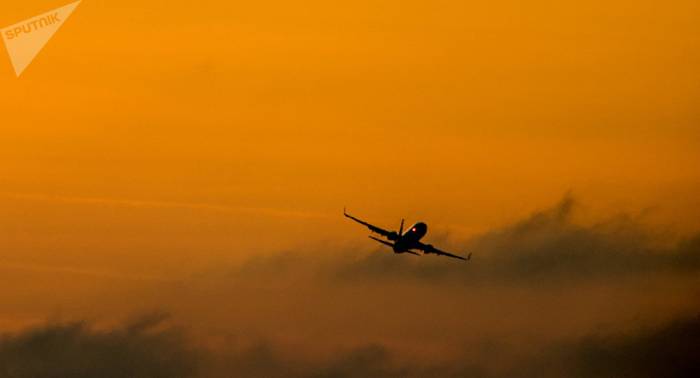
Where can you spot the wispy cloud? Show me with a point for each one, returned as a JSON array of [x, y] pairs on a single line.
[[4, 264], [105, 201]]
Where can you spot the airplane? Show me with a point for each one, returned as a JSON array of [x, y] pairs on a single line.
[[405, 242]]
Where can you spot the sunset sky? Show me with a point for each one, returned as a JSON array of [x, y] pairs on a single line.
[[193, 159]]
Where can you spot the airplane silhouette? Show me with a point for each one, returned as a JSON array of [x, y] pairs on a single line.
[[405, 242]]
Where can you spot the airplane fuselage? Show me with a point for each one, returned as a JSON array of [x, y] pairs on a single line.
[[410, 237]]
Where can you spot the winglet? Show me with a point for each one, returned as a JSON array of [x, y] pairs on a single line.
[[469, 257]]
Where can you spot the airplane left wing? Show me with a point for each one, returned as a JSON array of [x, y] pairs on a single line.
[[388, 234], [428, 248]]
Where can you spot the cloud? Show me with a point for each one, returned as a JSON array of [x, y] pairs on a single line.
[[149, 347], [668, 351], [140, 348]]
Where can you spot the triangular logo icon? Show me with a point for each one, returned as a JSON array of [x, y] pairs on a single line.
[[25, 39]]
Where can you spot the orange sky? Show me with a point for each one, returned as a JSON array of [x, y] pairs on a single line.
[[467, 115], [152, 140]]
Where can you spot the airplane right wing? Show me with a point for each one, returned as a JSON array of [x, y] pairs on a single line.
[[428, 248], [391, 235]]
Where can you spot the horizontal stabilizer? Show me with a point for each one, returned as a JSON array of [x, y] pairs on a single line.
[[382, 241]]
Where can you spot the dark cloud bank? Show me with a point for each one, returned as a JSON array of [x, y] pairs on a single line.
[[141, 348], [154, 349], [545, 249]]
